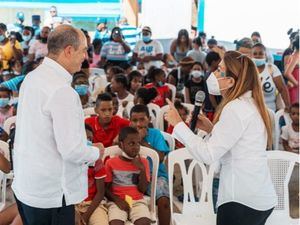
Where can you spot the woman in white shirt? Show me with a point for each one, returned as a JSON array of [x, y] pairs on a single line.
[[238, 139]]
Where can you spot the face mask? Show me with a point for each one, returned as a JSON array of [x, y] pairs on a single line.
[[160, 83], [26, 37], [146, 38], [44, 40], [259, 62], [14, 101], [213, 84], [2, 37], [82, 89], [197, 73], [127, 156], [4, 102]]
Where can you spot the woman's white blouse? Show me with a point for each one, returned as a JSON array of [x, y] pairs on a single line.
[[239, 141]]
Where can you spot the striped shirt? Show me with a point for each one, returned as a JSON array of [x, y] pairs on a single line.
[[114, 51], [131, 34], [13, 83]]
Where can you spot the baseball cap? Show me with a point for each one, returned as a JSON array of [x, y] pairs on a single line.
[[148, 29]]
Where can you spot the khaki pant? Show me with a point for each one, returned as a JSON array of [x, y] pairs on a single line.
[[99, 216], [139, 210]]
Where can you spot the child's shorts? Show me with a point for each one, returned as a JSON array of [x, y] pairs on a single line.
[[162, 188], [99, 216], [139, 210]]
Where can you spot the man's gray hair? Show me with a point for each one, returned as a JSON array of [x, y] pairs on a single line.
[[61, 37]]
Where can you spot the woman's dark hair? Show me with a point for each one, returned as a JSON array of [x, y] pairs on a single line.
[[259, 45], [183, 32], [122, 79], [118, 29], [114, 69], [199, 64], [295, 43], [97, 43], [255, 33], [212, 41], [147, 94], [29, 29], [5, 89], [13, 62], [153, 72], [132, 75], [202, 34], [197, 41]]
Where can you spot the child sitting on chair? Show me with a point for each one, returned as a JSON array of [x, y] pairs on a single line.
[[127, 179], [290, 132], [91, 211]]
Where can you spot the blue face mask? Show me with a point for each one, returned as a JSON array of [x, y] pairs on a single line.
[[4, 102], [160, 83], [146, 38], [82, 89], [2, 37], [259, 62]]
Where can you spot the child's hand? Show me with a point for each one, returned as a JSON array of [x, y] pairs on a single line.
[[122, 204], [138, 163], [143, 132]]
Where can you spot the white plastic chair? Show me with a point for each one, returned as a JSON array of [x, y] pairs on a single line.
[[193, 213], [89, 112], [97, 72], [8, 123], [144, 152], [281, 165], [287, 119], [169, 139], [98, 85], [173, 89], [155, 111], [2, 190]]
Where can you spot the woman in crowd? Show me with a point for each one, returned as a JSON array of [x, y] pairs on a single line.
[[27, 36], [271, 78], [116, 50], [38, 49], [135, 80], [180, 46]]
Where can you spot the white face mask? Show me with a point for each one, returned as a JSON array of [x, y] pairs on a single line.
[[213, 84], [197, 73], [127, 156]]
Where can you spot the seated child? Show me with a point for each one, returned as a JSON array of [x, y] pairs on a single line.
[[80, 83], [290, 132], [6, 110], [90, 211], [152, 138], [127, 179], [106, 126], [183, 112]]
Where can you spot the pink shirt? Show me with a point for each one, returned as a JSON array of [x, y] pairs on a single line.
[[39, 49]]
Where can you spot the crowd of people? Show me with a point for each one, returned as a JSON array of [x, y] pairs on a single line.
[[138, 75]]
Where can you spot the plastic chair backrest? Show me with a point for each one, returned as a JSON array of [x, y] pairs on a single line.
[[98, 85], [5, 148], [205, 204], [281, 165], [144, 152], [154, 110], [8, 123], [89, 112], [169, 139], [2, 190], [97, 72], [287, 120], [173, 89]]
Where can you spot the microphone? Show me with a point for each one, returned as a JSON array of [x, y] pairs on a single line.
[[199, 100]]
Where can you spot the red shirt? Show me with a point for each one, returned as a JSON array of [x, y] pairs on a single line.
[[178, 144], [95, 173], [124, 177], [163, 93], [107, 135]]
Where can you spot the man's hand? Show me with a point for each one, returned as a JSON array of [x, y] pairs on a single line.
[[143, 132], [101, 148], [172, 116]]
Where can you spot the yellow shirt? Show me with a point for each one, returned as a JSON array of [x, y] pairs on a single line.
[[6, 53]]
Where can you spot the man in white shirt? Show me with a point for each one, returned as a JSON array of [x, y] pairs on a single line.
[[51, 154], [148, 51]]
